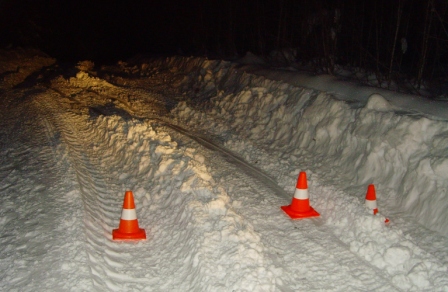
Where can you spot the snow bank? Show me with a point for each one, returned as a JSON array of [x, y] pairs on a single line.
[[404, 155]]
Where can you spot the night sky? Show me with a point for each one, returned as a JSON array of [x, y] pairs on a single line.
[[110, 30], [95, 29]]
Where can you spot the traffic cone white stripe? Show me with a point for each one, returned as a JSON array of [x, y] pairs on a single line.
[[301, 194], [128, 214], [371, 204]]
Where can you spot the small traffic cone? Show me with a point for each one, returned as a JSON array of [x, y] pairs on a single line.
[[128, 228], [371, 200], [300, 205]]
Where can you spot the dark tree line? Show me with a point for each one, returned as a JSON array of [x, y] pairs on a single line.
[[392, 38]]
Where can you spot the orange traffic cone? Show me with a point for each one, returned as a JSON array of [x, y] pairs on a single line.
[[128, 228], [371, 200], [300, 205]]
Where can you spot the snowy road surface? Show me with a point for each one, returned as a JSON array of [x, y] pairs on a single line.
[[70, 147]]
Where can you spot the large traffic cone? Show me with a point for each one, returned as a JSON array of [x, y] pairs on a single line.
[[371, 200], [128, 228], [300, 205]]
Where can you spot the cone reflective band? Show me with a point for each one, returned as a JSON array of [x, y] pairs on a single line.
[[371, 200], [300, 205], [128, 214], [128, 228]]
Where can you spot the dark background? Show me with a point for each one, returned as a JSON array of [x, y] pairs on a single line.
[[364, 34]]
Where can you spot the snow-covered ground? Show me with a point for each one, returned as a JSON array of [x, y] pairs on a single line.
[[211, 150]]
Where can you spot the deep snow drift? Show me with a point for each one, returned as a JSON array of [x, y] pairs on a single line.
[[211, 150]]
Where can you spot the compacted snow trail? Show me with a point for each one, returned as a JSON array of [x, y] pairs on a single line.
[[95, 191], [41, 213]]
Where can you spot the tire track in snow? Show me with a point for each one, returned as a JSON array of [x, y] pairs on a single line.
[[231, 157], [42, 227], [101, 204]]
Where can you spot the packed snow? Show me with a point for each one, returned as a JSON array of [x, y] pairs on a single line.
[[211, 150]]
